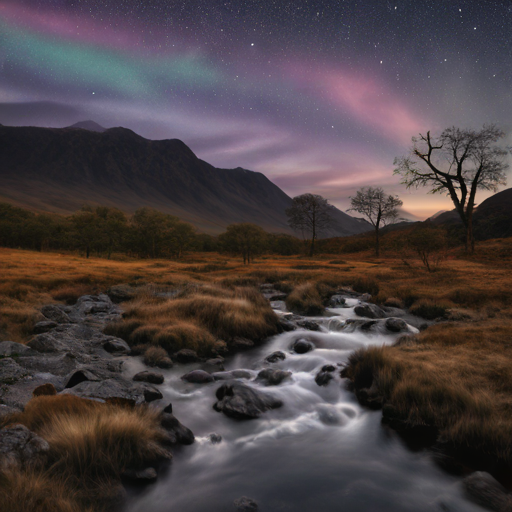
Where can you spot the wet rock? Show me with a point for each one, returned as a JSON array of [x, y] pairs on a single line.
[[55, 313], [21, 448], [140, 476], [239, 343], [77, 376], [168, 408], [47, 389], [121, 293], [483, 489], [337, 301], [151, 394], [11, 371], [44, 326], [275, 357], [178, 432], [215, 364], [308, 325], [198, 377], [245, 504], [302, 346], [325, 375], [109, 388], [13, 349], [369, 311], [185, 356], [286, 325], [330, 415], [396, 325], [147, 376], [239, 401], [233, 374], [116, 346], [273, 376], [215, 438]]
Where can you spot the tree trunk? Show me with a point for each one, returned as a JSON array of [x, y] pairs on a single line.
[[377, 242]]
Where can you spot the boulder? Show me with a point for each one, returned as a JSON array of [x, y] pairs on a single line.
[[337, 301], [215, 364], [239, 401], [147, 376], [110, 388], [325, 375], [245, 504], [215, 438], [286, 325], [178, 432], [77, 376], [93, 304], [21, 448], [369, 311], [48, 343], [11, 371], [308, 325], [302, 346], [198, 377], [13, 349], [116, 346], [396, 325], [185, 356], [44, 326], [275, 357], [151, 393], [239, 343], [273, 376], [55, 313], [483, 489], [47, 389]]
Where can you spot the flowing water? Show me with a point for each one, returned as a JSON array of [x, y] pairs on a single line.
[[320, 452]]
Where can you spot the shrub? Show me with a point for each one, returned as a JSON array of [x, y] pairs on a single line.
[[305, 300], [429, 309], [157, 356], [185, 335]]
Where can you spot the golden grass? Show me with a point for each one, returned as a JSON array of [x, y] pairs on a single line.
[[91, 444], [305, 300]]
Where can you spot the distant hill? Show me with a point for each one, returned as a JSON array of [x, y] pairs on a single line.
[[88, 125], [60, 169]]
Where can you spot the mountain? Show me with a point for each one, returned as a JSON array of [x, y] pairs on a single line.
[[60, 169], [88, 125]]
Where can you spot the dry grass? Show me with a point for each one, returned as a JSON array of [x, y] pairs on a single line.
[[305, 300], [91, 444], [196, 319]]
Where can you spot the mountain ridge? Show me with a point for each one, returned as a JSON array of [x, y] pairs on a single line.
[[60, 169]]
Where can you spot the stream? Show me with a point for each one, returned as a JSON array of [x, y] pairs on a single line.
[[320, 452]]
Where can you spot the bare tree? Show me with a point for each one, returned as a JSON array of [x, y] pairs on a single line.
[[310, 214], [457, 163], [377, 207]]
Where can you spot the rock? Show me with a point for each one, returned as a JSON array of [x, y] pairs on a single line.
[[233, 374], [121, 293], [47, 343], [396, 325], [198, 377], [117, 346], [239, 343], [44, 326], [93, 304], [239, 401], [215, 364], [11, 371], [147, 376], [286, 325], [275, 356], [168, 408], [47, 389], [369, 311], [336, 301], [329, 415], [245, 504], [309, 325], [55, 313], [215, 438], [21, 448], [110, 388], [483, 489], [151, 394], [180, 433], [141, 476], [185, 356], [273, 376], [302, 346], [13, 349], [78, 376], [324, 376]]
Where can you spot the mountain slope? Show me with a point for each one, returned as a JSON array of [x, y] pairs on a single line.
[[52, 169]]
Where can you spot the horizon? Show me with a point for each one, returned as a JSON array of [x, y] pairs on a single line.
[[317, 97]]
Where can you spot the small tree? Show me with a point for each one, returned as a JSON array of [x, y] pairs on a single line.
[[430, 245], [377, 207], [245, 239], [310, 214], [458, 163]]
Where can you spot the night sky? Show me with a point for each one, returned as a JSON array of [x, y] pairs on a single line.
[[318, 95]]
